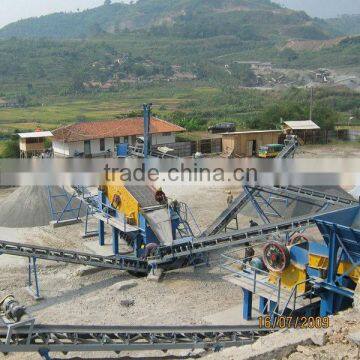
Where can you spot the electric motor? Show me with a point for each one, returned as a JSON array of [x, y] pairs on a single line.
[[11, 308]]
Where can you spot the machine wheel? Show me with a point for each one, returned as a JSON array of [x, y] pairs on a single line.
[[276, 257]]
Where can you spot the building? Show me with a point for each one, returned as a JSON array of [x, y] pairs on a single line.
[[350, 132], [306, 130], [7, 104], [33, 143], [247, 143], [95, 139]]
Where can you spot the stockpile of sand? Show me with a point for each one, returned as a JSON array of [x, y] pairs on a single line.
[[28, 206]]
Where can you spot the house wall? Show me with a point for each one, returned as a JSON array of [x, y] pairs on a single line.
[[32, 146], [161, 139], [238, 143], [69, 149], [95, 146]]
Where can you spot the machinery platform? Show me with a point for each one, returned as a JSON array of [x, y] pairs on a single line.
[[266, 291]]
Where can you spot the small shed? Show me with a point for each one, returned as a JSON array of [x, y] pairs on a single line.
[[306, 130], [33, 143], [247, 143]]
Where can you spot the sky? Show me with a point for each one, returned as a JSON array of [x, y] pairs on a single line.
[[13, 10], [323, 8]]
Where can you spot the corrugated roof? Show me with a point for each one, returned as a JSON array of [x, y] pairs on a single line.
[[113, 128], [302, 125], [36, 134], [252, 132]]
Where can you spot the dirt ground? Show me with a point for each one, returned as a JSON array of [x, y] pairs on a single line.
[[336, 150], [183, 297]]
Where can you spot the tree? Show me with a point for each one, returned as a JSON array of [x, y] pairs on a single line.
[[11, 149], [289, 54], [21, 100], [325, 117]]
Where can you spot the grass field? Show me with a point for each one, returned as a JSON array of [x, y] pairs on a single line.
[[58, 111]]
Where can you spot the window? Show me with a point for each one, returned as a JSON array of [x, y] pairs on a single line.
[[102, 144], [116, 141], [126, 139], [34, 140], [166, 134]]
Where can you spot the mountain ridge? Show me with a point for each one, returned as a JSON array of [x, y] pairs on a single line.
[[172, 18]]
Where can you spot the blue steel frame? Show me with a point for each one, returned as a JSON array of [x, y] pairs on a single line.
[[147, 134], [343, 241], [32, 272], [58, 215]]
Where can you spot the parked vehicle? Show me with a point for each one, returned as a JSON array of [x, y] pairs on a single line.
[[222, 128], [270, 151]]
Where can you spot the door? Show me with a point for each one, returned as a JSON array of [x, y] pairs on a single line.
[[87, 148], [250, 145]]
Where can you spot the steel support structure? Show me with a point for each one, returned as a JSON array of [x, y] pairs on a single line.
[[33, 279], [44, 339], [67, 256], [58, 215]]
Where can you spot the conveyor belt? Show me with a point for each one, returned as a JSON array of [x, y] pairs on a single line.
[[315, 194], [111, 338], [288, 151], [74, 257], [304, 195], [214, 242], [228, 214]]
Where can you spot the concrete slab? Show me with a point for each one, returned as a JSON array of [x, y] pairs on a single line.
[[89, 235], [232, 316], [62, 223]]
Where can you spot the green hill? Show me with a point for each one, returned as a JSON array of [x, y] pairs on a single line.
[[346, 24], [151, 41], [248, 19]]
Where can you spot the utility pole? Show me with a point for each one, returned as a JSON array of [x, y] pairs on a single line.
[[147, 134], [311, 101]]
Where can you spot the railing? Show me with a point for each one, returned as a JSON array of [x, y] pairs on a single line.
[[187, 215], [100, 207], [295, 296], [252, 273], [248, 271]]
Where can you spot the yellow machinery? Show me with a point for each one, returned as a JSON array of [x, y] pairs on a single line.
[[121, 198], [294, 264]]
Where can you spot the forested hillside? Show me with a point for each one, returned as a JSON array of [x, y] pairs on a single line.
[[201, 61], [247, 19], [346, 24]]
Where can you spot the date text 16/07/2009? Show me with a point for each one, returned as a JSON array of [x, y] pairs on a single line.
[[300, 322]]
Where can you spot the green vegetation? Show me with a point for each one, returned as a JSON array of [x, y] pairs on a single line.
[[9, 149], [184, 18], [186, 56], [346, 24]]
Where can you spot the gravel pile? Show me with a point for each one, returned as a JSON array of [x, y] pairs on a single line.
[[28, 206]]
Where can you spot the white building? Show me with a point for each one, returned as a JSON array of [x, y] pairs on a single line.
[[93, 139]]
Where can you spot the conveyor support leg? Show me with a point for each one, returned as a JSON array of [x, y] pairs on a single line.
[[115, 240], [247, 306], [263, 305]]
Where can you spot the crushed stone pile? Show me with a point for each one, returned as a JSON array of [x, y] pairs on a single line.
[[28, 206]]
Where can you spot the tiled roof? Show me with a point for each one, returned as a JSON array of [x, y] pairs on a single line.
[[112, 128]]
